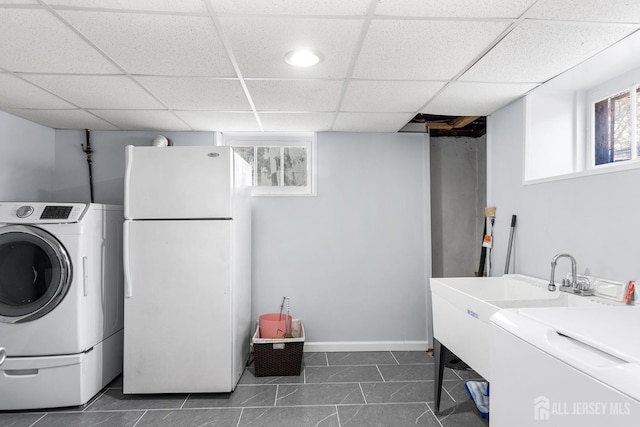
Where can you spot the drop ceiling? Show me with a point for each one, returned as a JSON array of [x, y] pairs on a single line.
[[219, 64]]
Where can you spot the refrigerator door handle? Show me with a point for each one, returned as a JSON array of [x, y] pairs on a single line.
[[127, 179], [125, 261]]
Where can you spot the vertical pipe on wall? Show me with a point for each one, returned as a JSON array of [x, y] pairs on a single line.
[[89, 152]]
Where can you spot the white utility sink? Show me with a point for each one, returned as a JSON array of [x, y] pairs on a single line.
[[562, 299], [462, 307]]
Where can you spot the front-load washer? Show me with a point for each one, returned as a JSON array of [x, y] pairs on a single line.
[[61, 302]]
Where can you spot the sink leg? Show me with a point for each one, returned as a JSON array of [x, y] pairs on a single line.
[[439, 352]]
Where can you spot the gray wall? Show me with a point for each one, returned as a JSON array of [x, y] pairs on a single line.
[[594, 218], [354, 260], [26, 160], [458, 199], [72, 172]]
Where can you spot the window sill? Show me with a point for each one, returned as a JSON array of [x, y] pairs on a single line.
[[283, 195], [599, 170]]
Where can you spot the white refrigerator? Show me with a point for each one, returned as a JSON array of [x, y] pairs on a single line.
[[187, 262]]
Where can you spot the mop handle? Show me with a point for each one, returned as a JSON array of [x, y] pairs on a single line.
[[513, 226]]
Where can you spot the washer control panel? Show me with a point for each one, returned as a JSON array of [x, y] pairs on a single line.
[[56, 212], [24, 211], [41, 213]]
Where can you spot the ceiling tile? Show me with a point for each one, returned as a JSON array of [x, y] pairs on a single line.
[[164, 45], [260, 52], [475, 99], [535, 51], [197, 93], [391, 96], [63, 119], [162, 64], [160, 120], [296, 122], [16, 93], [217, 121], [35, 41], [292, 7], [295, 95], [454, 8], [371, 122], [96, 92], [183, 6], [422, 50], [587, 10]]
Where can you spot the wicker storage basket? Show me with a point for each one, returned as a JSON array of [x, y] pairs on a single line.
[[277, 356]]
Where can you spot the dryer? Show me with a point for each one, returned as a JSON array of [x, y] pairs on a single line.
[[61, 302]]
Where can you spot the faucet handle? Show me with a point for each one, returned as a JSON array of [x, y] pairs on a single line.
[[583, 283]]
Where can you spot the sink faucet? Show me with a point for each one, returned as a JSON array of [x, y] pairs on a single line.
[[554, 262]]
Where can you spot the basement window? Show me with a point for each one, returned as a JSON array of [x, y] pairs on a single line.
[[615, 127], [283, 164], [575, 132]]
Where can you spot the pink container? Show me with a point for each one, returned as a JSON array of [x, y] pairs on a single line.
[[274, 325]]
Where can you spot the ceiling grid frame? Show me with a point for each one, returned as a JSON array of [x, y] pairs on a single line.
[[341, 31]]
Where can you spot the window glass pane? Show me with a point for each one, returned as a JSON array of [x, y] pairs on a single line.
[[295, 166], [613, 129], [268, 166], [247, 154], [622, 127], [602, 133]]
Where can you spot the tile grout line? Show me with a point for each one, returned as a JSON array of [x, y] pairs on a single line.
[[95, 399], [450, 395], [239, 418], [364, 397], [38, 420], [435, 416], [229, 408], [141, 417], [185, 400]]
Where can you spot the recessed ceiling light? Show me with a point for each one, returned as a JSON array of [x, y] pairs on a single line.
[[302, 58]]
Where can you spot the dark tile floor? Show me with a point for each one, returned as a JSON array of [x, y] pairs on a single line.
[[390, 389]]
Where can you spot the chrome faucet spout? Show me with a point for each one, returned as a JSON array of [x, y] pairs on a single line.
[[554, 262]]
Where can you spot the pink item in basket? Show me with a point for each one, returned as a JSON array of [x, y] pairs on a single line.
[[274, 325]]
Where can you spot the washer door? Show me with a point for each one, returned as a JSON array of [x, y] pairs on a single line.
[[35, 273]]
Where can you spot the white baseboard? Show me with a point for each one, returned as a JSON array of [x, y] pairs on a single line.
[[355, 346]]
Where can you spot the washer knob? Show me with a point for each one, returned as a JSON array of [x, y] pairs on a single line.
[[24, 211]]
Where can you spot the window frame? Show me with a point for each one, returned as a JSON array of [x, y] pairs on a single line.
[[282, 140], [577, 96], [600, 93]]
